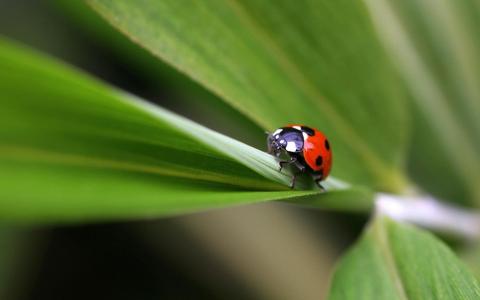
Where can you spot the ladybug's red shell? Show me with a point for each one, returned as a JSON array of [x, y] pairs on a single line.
[[316, 150]]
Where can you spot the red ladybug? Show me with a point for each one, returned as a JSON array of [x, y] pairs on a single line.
[[307, 148]]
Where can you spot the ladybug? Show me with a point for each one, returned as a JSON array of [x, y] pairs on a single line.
[[308, 149]]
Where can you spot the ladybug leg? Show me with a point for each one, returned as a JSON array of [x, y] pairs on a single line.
[[286, 162], [317, 178], [301, 169], [294, 178], [317, 181]]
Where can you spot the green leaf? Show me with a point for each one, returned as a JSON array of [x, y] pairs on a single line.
[[470, 254], [184, 94], [292, 62], [72, 148], [436, 47], [398, 261]]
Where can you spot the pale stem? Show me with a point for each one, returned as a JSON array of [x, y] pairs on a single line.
[[428, 212]]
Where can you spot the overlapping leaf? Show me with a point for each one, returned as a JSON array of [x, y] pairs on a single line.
[[397, 261], [313, 62], [160, 78], [437, 50]]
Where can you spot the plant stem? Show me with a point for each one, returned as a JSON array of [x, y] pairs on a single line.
[[427, 211]]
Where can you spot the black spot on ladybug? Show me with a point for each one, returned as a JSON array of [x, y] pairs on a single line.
[[319, 160], [308, 130], [327, 144]]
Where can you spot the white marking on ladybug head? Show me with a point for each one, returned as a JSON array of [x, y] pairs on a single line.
[[305, 136], [277, 132], [297, 127], [291, 147], [282, 142]]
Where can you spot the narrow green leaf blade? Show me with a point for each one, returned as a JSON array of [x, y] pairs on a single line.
[[291, 62], [72, 148], [398, 261], [46, 192], [89, 123]]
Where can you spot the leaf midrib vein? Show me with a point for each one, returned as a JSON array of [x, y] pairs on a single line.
[[386, 252]]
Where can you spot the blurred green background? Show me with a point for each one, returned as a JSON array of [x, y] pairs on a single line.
[[261, 251]]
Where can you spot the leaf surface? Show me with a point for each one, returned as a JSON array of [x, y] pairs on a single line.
[[436, 48], [398, 261], [72, 148], [292, 62]]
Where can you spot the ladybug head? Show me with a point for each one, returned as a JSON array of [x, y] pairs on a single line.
[[288, 139]]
